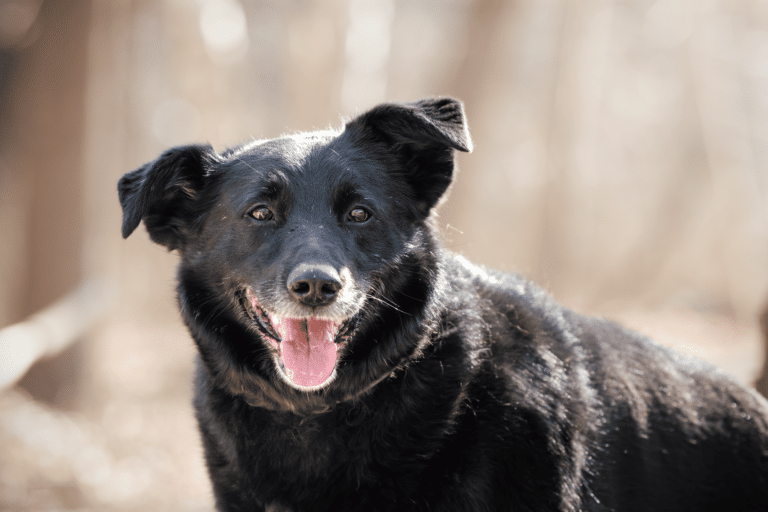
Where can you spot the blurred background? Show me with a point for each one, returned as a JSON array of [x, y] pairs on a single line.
[[620, 161]]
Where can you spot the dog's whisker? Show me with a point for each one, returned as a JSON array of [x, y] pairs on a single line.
[[388, 303]]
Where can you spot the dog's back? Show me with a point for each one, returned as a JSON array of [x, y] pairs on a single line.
[[635, 425]]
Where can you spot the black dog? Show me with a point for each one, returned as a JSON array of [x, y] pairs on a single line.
[[348, 362]]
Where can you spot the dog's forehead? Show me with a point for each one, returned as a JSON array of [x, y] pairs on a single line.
[[290, 150], [317, 158]]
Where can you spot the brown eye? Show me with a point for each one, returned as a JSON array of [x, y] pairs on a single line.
[[261, 213], [359, 215]]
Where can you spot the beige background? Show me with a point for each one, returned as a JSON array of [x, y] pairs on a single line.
[[620, 160]]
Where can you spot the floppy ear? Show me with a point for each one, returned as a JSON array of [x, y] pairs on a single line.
[[163, 193], [423, 134]]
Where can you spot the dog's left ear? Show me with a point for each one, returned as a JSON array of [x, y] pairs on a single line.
[[163, 193], [424, 134]]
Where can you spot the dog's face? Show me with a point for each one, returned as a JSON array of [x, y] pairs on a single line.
[[298, 230], [291, 248]]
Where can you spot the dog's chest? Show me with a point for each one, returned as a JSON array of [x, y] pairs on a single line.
[[309, 450]]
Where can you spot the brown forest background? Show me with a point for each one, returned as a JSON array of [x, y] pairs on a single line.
[[620, 161]]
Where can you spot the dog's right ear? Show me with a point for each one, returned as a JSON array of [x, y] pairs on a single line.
[[424, 134], [163, 193]]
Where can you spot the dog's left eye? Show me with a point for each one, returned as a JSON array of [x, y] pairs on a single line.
[[261, 213], [359, 215]]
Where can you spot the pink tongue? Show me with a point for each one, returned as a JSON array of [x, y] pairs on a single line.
[[307, 348]]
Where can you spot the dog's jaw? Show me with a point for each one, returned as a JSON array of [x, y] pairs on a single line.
[[305, 350]]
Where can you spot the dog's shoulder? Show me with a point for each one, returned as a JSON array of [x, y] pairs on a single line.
[[515, 312]]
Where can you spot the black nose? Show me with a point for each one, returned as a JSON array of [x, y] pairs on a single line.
[[314, 285]]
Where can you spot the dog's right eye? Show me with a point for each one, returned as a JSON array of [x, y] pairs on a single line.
[[261, 213], [359, 215]]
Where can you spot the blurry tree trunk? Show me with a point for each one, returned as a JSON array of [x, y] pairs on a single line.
[[480, 82], [314, 54], [42, 140], [478, 76]]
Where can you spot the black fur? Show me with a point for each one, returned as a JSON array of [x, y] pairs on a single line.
[[457, 388]]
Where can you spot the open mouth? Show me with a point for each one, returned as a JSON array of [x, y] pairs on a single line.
[[306, 348]]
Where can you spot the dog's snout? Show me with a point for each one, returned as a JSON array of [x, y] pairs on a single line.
[[314, 285]]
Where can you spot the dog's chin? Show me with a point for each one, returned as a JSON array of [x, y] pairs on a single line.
[[305, 350]]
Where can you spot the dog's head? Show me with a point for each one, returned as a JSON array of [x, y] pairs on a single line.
[[300, 254]]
